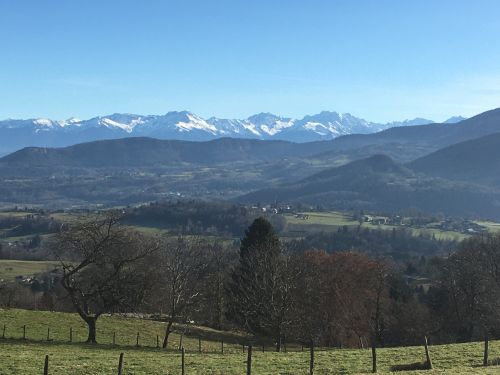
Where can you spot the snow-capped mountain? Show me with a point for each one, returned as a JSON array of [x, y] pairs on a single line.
[[454, 120], [415, 121], [15, 134]]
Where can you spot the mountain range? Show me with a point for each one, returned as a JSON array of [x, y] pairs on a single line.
[[441, 168], [184, 125]]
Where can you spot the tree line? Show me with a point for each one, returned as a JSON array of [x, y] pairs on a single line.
[[269, 289]]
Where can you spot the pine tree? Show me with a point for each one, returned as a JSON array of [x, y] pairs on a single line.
[[257, 298]]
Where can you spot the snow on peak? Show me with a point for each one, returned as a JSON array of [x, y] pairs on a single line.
[[195, 122], [43, 122], [189, 126], [114, 124], [277, 126]]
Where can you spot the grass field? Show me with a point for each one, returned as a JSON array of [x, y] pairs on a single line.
[[492, 227], [317, 221], [330, 220], [15, 213], [26, 357], [9, 269], [124, 328]]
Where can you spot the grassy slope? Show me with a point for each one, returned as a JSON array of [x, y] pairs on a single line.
[[330, 220], [9, 269], [18, 357], [492, 227], [126, 330], [317, 221]]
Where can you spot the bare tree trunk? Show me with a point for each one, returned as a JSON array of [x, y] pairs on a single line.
[[91, 323], [486, 350], [278, 344], [311, 359], [374, 357], [167, 334]]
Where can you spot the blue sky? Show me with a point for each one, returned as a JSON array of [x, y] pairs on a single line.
[[380, 60]]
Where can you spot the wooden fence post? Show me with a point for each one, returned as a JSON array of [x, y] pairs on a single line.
[[46, 366], [427, 355], [374, 356], [114, 338], [120, 364], [180, 341], [137, 340], [311, 359], [486, 350], [24, 332], [70, 334], [48, 333], [243, 348], [249, 360], [4, 328], [183, 371]]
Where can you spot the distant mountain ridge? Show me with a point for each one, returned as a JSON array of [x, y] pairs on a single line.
[[447, 168], [407, 143], [474, 161], [184, 125], [378, 183], [147, 152]]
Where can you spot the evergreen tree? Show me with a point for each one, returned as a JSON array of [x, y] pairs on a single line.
[[258, 293]]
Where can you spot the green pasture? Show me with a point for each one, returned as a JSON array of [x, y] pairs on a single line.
[[9, 269], [325, 221], [19, 356]]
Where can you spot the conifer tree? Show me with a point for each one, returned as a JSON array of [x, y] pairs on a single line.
[[258, 293]]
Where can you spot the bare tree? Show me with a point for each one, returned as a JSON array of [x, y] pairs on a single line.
[[341, 298], [309, 311], [104, 267], [220, 262], [271, 294], [182, 268], [471, 278]]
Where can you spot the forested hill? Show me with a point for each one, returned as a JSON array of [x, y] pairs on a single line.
[[476, 161], [149, 152], [379, 183]]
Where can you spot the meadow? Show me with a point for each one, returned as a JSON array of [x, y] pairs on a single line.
[[325, 221], [19, 356], [9, 269]]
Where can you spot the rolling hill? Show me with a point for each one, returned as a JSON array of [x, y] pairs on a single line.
[[132, 170], [378, 183], [475, 161], [142, 152]]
